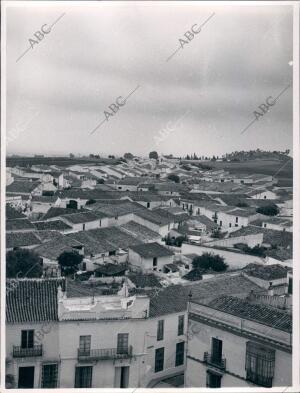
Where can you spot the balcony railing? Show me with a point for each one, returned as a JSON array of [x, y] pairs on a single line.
[[19, 352], [211, 360], [104, 354]]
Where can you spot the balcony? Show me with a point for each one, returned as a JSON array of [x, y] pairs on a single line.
[[104, 354], [214, 362], [19, 352]]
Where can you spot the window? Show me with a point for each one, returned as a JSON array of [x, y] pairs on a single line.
[[180, 325], [83, 227], [216, 350], [236, 219], [290, 287], [154, 262], [221, 223], [159, 359], [213, 380], [160, 330], [230, 225], [85, 344], [83, 377], [260, 364], [122, 346], [49, 375], [179, 354], [148, 205], [27, 338]]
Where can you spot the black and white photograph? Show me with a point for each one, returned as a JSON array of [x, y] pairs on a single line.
[[150, 196]]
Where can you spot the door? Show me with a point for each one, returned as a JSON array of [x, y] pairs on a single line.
[[124, 377], [216, 350], [26, 378]]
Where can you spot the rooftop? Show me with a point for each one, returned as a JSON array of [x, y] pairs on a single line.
[[263, 314], [269, 272], [82, 217], [58, 211], [151, 250], [32, 300], [139, 231], [144, 280], [12, 213], [270, 236], [156, 218], [53, 248], [19, 225], [103, 240], [22, 239], [44, 198], [22, 186], [56, 225], [175, 297], [111, 269]]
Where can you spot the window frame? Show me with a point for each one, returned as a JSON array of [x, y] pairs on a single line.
[[160, 330], [179, 356], [50, 383], [28, 339], [180, 327], [159, 359], [85, 380]]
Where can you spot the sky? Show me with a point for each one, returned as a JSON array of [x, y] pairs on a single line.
[[199, 100]]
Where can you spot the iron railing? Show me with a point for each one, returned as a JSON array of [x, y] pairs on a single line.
[[104, 354], [19, 352], [214, 361]]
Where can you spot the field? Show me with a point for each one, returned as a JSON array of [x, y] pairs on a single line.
[[60, 161], [283, 171]]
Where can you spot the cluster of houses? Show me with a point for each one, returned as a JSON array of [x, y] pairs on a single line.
[[141, 314]]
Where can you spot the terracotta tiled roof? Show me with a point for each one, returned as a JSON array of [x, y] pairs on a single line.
[[270, 236], [25, 187], [139, 231], [175, 297], [271, 272], [19, 225], [32, 300], [21, 239], [255, 312], [12, 213], [144, 280], [58, 211], [79, 217], [56, 225], [151, 250]]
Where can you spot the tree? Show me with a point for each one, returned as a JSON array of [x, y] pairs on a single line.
[[71, 155], [268, 210], [174, 178], [153, 154], [128, 156], [210, 261], [100, 181], [69, 261], [21, 262]]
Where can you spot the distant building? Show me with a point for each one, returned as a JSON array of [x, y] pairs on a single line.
[[149, 257]]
